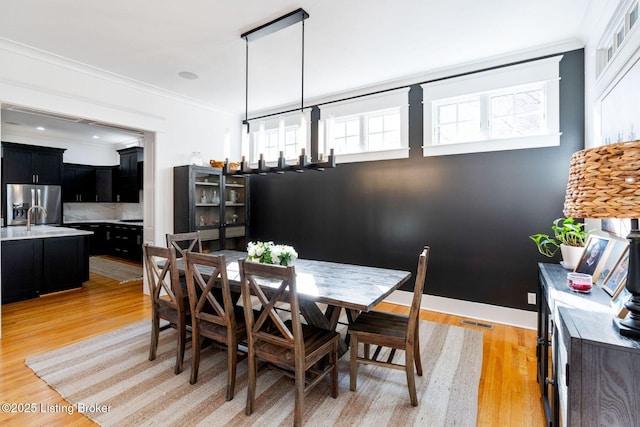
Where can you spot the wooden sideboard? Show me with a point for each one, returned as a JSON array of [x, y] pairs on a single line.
[[588, 373]]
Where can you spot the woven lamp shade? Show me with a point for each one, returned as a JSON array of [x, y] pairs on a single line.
[[604, 182]]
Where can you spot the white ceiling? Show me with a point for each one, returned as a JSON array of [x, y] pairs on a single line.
[[348, 44]]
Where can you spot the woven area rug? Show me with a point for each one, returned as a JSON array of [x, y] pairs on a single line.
[[114, 270], [113, 370]]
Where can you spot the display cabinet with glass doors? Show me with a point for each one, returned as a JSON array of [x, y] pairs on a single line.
[[207, 201]]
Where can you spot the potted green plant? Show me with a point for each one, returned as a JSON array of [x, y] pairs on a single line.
[[569, 236]]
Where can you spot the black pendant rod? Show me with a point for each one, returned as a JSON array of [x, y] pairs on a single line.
[[246, 84], [302, 73]]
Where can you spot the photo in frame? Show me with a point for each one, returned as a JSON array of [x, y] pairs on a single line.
[[595, 253], [617, 302], [617, 277], [618, 248]]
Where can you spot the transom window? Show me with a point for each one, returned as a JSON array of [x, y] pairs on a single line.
[[286, 134], [508, 108], [372, 131], [373, 127], [508, 113], [619, 28]]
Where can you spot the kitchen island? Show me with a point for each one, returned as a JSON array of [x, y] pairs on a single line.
[[43, 260]]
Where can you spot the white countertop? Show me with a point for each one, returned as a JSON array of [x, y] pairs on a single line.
[[104, 221], [19, 232]]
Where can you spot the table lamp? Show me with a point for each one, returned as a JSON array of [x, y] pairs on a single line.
[[604, 182]]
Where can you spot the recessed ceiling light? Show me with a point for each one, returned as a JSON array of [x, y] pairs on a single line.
[[188, 75], [40, 128], [96, 137]]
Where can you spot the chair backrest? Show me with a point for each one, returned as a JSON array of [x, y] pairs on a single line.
[[417, 291], [268, 326], [204, 306], [163, 276], [185, 242]]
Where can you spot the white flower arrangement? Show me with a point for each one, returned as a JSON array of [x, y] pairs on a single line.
[[270, 253]]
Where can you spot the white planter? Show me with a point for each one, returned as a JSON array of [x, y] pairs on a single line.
[[570, 256]]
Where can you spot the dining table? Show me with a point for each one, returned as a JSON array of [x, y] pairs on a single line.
[[323, 285]]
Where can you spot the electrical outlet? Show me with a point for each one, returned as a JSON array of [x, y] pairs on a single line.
[[531, 298]]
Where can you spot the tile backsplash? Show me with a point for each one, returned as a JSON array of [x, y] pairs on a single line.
[[99, 211]]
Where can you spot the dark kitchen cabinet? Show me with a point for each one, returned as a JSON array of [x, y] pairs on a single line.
[[79, 183], [96, 240], [130, 174], [32, 267], [123, 241], [85, 183], [64, 265], [30, 164], [21, 269], [105, 178]]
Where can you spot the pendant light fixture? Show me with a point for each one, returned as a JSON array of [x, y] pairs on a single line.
[[277, 24]]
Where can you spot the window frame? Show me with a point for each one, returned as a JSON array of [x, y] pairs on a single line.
[[363, 108], [504, 80], [280, 124]]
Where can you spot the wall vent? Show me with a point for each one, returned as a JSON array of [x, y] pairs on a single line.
[[475, 323]]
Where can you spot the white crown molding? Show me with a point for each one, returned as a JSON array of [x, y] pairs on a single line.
[[60, 61]]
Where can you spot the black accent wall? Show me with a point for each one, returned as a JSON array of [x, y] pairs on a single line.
[[476, 211]]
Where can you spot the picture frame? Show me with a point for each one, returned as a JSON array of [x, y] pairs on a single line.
[[595, 253], [620, 297], [617, 277], [618, 248]]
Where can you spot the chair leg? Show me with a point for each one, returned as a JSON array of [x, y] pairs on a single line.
[[353, 356], [182, 338], [195, 358], [299, 405], [232, 359], [411, 380], [251, 384], [155, 331], [416, 351], [334, 373]]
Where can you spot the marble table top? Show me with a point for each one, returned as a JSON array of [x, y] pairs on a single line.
[[343, 285]]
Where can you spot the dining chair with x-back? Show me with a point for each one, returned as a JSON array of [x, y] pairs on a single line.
[[394, 331], [185, 242], [220, 321], [290, 347], [167, 298]]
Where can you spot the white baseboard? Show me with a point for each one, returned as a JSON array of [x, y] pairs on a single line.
[[474, 310]]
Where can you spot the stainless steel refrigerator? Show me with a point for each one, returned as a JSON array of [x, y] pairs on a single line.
[[20, 197]]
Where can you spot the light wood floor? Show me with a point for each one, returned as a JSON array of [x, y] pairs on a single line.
[[508, 394]]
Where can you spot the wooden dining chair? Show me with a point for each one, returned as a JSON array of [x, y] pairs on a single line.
[[292, 348], [167, 298], [395, 331], [185, 242], [211, 318]]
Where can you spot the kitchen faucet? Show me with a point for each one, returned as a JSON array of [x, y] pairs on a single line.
[[34, 207]]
